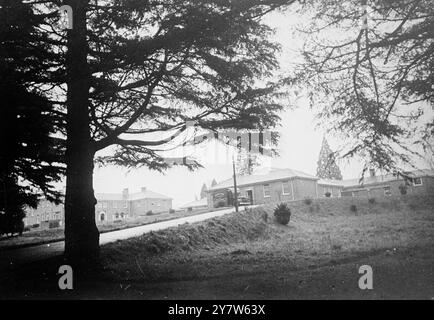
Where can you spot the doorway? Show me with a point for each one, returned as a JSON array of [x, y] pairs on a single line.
[[250, 196]]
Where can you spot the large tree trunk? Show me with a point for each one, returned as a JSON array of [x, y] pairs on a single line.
[[81, 233]]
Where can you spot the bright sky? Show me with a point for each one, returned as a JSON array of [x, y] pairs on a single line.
[[299, 146]]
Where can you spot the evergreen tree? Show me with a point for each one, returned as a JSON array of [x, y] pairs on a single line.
[[130, 68], [364, 82], [30, 156], [203, 191], [326, 165]]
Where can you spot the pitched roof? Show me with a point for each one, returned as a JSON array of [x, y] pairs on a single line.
[[368, 180], [197, 203], [271, 175], [328, 182], [147, 194]]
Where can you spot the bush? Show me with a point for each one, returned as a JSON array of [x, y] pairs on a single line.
[[36, 225], [282, 214], [53, 224], [189, 209], [149, 213], [171, 210], [371, 200], [308, 201], [353, 208], [26, 229], [328, 194]]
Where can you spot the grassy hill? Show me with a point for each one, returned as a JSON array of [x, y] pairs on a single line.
[[248, 255]]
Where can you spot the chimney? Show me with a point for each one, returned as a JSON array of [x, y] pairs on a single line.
[[143, 189], [125, 194], [372, 172]]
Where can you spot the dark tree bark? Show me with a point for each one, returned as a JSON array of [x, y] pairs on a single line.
[[81, 233]]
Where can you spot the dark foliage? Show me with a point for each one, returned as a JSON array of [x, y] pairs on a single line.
[[368, 81], [282, 213]]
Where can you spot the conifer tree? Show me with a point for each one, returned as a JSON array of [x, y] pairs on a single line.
[[326, 165]]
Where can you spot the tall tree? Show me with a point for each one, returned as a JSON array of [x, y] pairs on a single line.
[[368, 65], [203, 191], [30, 156], [134, 68], [326, 165], [213, 182]]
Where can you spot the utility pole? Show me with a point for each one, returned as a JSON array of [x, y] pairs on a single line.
[[235, 185]]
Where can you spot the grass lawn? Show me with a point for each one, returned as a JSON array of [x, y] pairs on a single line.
[[249, 256], [316, 256], [45, 236]]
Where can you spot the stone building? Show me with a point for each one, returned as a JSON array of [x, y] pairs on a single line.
[[414, 182], [110, 207], [278, 185], [272, 186]]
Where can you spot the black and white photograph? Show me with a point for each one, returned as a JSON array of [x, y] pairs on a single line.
[[243, 151]]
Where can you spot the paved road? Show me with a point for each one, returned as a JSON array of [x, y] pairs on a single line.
[[39, 252]]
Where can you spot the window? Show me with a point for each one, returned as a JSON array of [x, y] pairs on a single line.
[[125, 204], [102, 216], [387, 191], [266, 190], [285, 188], [417, 181]]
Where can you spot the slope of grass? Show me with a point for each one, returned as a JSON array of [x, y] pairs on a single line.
[[38, 237], [239, 227], [238, 251]]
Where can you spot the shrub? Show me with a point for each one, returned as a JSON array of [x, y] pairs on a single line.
[[328, 194], [26, 229], [36, 225], [308, 201], [282, 214], [149, 213], [171, 210], [371, 200], [53, 224], [403, 189], [353, 208], [189, 209]]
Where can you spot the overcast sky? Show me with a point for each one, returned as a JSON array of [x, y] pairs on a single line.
[[299, 145]]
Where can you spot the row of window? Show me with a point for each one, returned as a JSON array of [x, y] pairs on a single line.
[[113, 204], [46, 217], [116, 216], [285, 189]]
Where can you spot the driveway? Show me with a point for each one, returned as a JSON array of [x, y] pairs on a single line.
[[40, 252]]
